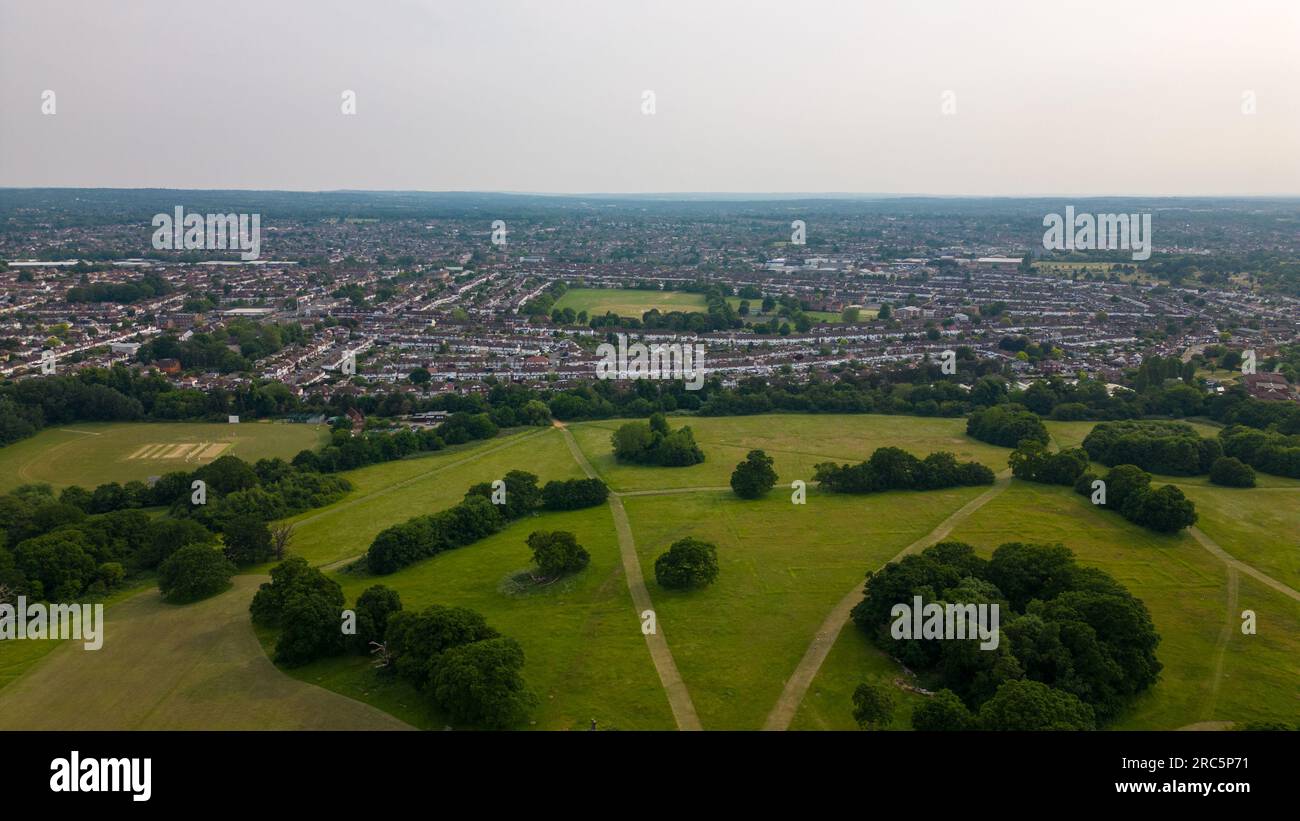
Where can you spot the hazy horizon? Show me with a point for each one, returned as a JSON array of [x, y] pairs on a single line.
[[825, 98]]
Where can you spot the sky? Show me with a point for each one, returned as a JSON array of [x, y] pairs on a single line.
[[1000, 97]]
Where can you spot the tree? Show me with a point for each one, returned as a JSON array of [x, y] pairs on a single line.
[[58, 566], [167, 535], [873, 706], [1032, 705], [194, 572], [374, 606], [248, 541], [281, 537], [688, 563], [942, 712], [1230, 471], [311, 628], [481, 683], [227, 474], [556, 553], [753, 477], [1165, 510], [417, 641], [290, 576]]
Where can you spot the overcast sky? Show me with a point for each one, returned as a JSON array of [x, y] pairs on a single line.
[[1050, 98]]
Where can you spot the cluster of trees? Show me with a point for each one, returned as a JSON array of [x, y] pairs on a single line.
[[1074, 646], [1128, 491], [1007, 425], [753, 477], [1267, 451], [654, 443], [146, 287], [212, 351], [467, 669], [687, 564], [484, 510], [55, 551], [1173, 448], [348, 452], [891, 468], [235, 494], [574, 494], [1033, 462]]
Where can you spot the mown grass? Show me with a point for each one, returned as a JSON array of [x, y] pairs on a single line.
[[585, 655], [796, 442], [393, 492], [93, 453], [782, 569]]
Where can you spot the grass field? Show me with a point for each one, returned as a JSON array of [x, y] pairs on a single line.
[[796, 442], [1184, 587], [628, 301], [783, 569], [632, 302], [168, 667], [91, 454]]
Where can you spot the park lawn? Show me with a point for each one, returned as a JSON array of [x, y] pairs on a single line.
[[585, 656], [828, 704], [1268, 661], [17, 657], [629, 301], [1071, 434], [93, 453], [1260, 526], [782, 568], [393, 492], [1185, 589], [174, 667], [1183, 586], [796, 442]]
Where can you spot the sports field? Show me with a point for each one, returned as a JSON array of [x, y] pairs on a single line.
[[733, 655], [628, 301], [94, 453], [632, 302]]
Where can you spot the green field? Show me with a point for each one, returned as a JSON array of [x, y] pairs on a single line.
[[93, 453], [628, 301], [162, 666], [633, 303], [784, 568]]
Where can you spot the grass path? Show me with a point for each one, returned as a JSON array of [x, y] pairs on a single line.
[[169, 667], [679, 699], [824, 639], [1233, 563], [1225, 635]]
